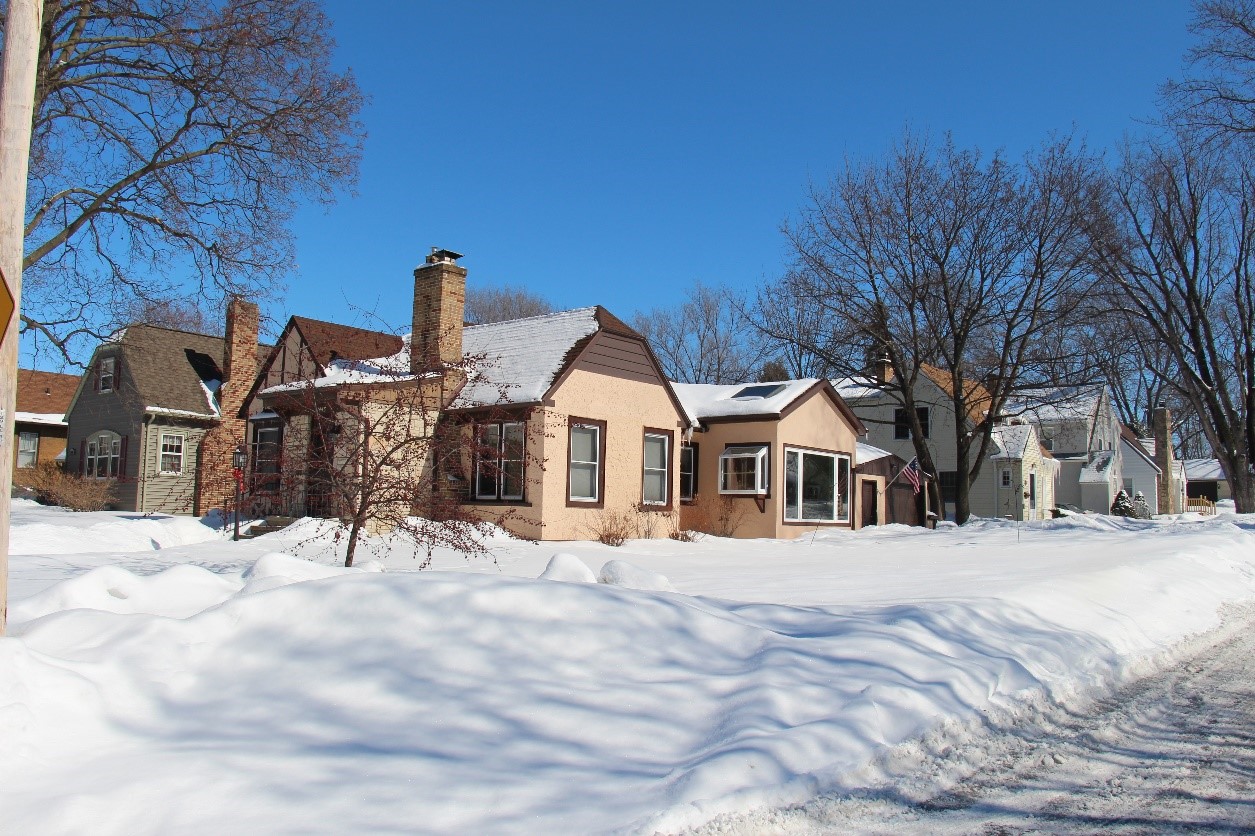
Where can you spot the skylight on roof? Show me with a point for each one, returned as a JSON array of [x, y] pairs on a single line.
[[763, 391]]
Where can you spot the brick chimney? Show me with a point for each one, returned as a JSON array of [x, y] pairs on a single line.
[[883, 370], [1161, 430], [439, 306], [215, 485]]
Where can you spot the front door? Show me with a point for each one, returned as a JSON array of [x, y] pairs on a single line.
[[870, 513]]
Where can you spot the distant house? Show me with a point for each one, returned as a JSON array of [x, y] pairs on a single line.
[[1205, 479], [769, 459], [1140, 473], [39, 427], [1020, 479], [1080, 428], [573, 415], [155, 414], [875, 401]]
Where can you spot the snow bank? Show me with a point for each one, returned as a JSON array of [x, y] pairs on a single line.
[[35, 529], [296, 697]]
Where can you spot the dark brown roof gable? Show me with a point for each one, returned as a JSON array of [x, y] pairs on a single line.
[[167, 366], [48, 393], [610, 322], [327, 340]]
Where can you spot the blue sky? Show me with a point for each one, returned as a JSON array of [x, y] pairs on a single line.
[[615, 153]]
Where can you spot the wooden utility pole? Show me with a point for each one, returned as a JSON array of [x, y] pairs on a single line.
[[17, 105]]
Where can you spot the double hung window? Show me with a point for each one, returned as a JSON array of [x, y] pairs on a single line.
[[816, 486], [584, 466], [27, 449], [499, 464], [171, 454], [105, 374], [688, 472], [656, 475]]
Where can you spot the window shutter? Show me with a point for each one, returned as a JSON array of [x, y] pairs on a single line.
[[96, 376], [82, 457], [122, 454]]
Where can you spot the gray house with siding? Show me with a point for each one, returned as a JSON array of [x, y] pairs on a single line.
[[156, 413]]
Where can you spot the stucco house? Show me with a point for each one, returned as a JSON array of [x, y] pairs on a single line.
[[39, 426], [770, 459], [155, 414], [572, 415]]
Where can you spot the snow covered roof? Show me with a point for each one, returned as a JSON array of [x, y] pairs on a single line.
[[857, 388], [47, 418], [1062, 403], [514, 362], [1099, 468], [519, 359], [1143, 448], [1203, 470], [1011, 441], [864, 453], [708, 400]]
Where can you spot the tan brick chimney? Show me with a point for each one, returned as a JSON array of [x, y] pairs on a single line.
[[215, 485], [439, 306], [1161, 430], [883, 370]]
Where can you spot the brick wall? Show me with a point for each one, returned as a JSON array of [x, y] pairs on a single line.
[[215, 486]]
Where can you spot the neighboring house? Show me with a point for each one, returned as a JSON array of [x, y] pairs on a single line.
[[1205, 479], [873, 400], [573, 406], [1079, 426], [1140, 474], [155, 413], [39, 427], [769, 459], [883, 493], [1020, 479]]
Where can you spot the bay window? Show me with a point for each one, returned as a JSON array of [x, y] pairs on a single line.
[[743, 470]]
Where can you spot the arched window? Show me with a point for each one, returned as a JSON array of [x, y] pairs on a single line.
[[103, 456]]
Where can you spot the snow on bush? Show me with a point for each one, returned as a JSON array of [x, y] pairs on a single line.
[[567, 567], [622, 573]]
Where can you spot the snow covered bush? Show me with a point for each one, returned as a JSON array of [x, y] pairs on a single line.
[[1122, 506]]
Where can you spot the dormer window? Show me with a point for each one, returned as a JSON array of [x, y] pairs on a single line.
[[768, 390], [104, 374], [743, 470]]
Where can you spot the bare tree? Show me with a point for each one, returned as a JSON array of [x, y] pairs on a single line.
[[946, 264], [172, 141], [498, 304], [386, 456], [1176, 236], [704, 340], [1217, 97], [182, 316]]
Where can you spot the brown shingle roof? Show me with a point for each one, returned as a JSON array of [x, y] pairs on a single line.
[[167, 366], [326, 339], [977, 397], [45, 392]]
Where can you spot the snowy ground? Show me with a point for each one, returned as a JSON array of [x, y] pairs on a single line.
[[161, 679]]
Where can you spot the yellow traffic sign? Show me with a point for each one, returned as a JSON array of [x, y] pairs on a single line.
[[6, 307]]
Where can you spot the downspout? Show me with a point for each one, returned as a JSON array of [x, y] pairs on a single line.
[[142, 489]]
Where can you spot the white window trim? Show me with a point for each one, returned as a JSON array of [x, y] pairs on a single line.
[[161, 453], [758, 453], [836, 485], [665, 469], [595, 462], [22, 444], [112, 363]]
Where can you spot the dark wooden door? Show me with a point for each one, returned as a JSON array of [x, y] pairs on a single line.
[[869, 496]]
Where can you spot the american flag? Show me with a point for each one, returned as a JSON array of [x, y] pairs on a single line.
[[911, 472]]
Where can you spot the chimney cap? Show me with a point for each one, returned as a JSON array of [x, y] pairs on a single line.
[[440, 256]]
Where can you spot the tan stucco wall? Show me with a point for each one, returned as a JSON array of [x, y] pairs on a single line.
[[815, 424], [628, 407]]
